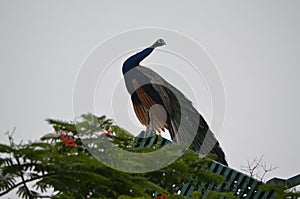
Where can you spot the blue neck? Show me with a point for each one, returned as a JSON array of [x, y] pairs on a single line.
[[135, 60]]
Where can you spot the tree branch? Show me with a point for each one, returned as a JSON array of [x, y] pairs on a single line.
[[25, 181], [253, 168]]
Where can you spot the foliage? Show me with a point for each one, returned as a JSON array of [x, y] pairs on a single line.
[[216, 195], [280, 191], [59, 166]]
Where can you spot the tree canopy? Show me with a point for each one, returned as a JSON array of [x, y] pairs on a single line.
[[60, 166]]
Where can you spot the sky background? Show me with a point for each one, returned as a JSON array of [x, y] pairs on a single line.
[[254, 44]]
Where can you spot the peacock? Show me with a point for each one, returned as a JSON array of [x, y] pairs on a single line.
[[160, 106]]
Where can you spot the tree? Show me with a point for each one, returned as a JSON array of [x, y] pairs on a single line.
[[59, 166], [258, 168]]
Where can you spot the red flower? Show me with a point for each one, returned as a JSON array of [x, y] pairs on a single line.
[[108, 132], [69, 141], [162, 197]]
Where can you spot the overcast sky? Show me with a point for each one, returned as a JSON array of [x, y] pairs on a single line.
[[255, 45]]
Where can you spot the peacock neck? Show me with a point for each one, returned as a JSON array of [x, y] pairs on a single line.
[[135, 60]]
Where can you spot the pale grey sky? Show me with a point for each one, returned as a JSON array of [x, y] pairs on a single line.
[[254, 44]]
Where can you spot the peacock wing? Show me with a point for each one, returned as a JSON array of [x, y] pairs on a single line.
[[146, 102]]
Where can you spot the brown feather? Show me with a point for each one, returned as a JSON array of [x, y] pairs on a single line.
[[158, 114], [141, 113]]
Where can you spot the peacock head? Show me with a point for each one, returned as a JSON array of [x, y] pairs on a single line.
[[159, 42]]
